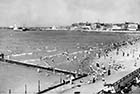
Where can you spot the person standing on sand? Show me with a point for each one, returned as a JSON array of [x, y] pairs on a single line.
[[109, 72], [135, 64], [93, 79], [127, 54], [117, 52], [103, 67], [98, 55], [123, 53], [104, 81], [104, 70], [91, 68], [97, 64], [41, 58]]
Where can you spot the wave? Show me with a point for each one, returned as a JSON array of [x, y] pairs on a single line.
[[52, 50], [22, 54]]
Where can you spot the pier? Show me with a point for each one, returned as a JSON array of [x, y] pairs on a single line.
[[79, 76], [60, 84], [40, 67], [125, 81]]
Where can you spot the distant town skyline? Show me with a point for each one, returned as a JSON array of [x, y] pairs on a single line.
[[66, 12]]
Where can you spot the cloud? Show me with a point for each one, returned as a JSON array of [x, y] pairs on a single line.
[[108, 11], [63, 12]]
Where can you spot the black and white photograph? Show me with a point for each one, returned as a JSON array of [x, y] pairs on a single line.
[[69, 46]]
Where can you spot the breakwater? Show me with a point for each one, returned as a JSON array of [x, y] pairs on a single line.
[[40, 67], [60, 84]]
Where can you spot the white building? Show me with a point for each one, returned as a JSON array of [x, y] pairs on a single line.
[[116, 27], [132, 26]]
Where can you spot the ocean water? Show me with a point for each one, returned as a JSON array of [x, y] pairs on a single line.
[[30, 46]]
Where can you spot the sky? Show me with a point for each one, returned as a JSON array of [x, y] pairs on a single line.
[[66, 12]]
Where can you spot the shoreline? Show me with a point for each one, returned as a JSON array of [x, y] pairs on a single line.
[[84, 31], [127, 69], [28, 53]]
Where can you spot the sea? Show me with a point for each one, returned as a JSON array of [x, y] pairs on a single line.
[[32, 46]]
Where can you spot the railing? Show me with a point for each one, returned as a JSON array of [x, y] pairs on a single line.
[[79, 76], [60, 84], [124, 81]]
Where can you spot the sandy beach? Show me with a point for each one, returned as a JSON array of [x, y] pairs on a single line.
[[128, 62]]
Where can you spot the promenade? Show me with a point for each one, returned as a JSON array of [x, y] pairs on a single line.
[[127, 58]]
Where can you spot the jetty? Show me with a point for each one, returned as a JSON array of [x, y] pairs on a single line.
[[40, 67]]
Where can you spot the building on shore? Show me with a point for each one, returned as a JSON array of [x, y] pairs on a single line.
[[127, 26], [18, 28], [81, 26], [131, 26], [119, 27]]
